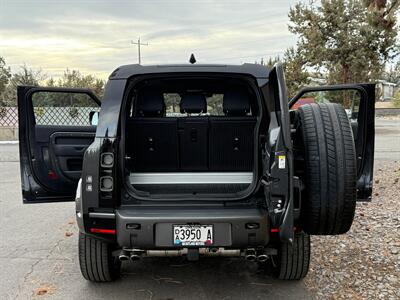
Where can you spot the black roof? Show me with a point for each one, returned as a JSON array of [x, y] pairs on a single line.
[[126, 71]]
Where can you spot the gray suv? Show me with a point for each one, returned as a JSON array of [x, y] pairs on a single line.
[[197, 161]]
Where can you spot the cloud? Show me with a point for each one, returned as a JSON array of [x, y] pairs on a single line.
[[95, 36]]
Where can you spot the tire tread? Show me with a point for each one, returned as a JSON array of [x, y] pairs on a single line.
[[330, 168], [95, 260]]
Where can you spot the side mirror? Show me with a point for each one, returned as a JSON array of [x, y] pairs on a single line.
[[94, 118]]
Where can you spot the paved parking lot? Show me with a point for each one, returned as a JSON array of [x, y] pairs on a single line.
[[38, 252]]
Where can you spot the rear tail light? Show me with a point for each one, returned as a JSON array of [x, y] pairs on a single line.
[[107, 160], [106, 183], [101, 230]]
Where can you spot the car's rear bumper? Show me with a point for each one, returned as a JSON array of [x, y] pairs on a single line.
[[151, 227]]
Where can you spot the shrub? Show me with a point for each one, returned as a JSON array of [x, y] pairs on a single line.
[[396, 99]]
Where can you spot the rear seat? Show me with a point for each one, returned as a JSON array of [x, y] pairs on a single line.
[[193, 134], [152, 139], [194, 143], [232, 136]]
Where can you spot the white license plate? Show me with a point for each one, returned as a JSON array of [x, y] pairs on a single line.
[[193, 235]]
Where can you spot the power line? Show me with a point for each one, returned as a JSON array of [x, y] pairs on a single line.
[[138, 43]]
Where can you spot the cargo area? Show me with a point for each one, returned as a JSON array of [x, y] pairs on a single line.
[[192, 136]]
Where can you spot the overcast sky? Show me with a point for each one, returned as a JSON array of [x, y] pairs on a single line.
[[95, 36]]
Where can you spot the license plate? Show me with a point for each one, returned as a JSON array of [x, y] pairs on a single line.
[[193, 235]]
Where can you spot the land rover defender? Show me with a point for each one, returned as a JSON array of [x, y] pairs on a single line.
[[199, 160]]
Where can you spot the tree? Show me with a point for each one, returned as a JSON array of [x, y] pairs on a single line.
[[74, 79], [294, 67], [351, 40], [396, 99], [5, 75], [393, 74], [26, 76], [296, 74]]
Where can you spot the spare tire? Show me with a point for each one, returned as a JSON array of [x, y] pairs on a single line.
[[330, 169]]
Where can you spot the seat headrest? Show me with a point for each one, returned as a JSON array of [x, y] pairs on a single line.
[[193, 103], [236, 103], [150, 104]]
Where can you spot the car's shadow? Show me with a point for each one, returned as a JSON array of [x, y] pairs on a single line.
[[208, 278]]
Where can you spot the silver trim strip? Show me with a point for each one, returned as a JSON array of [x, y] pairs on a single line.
[[102, 215], [192, 178]]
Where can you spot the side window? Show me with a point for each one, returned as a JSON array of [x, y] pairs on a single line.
[[172, 101], [214, 105], [64, 109]]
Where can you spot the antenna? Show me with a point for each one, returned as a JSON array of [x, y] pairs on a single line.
[[192, 59]]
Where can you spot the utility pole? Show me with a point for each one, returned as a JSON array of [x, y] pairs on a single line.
[[138, 43]]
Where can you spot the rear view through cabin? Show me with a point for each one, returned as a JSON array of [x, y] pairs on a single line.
[[191, 136]]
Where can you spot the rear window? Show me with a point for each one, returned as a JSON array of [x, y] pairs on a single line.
[[214, 105]]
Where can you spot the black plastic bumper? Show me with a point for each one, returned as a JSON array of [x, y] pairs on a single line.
[[151, 228]]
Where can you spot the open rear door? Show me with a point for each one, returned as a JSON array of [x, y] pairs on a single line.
[[55, 129], [359, 103]]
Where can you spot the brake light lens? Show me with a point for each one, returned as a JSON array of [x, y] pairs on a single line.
[[106, 184], [102, 230], [107, 160]]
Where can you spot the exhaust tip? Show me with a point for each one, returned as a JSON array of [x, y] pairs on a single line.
[[251, 257], [123, 257], [135, 257], [262, 258], [250, 254]]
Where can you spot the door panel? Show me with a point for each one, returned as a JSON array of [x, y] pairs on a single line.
[[54, 132], [359, 103]]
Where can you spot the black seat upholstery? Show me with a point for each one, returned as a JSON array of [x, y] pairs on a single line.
[[193, 104], [236, 103], [150, 103], [152, 140], [232, 137], [193, 134], [194, 143]]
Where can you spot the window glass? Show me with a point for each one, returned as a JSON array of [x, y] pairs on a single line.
[[63, 109], [172, 101], [214, 105], [350, 99]]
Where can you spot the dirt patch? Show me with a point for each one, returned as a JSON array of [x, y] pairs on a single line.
[[45, 289]]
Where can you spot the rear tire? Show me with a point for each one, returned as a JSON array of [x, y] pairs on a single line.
[[330, 173], [96, 261], [293, 260]]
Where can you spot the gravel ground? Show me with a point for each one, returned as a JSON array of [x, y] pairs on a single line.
[[365, 262]]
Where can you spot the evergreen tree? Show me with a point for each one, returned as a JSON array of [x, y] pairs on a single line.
[[350, 40], [5, 75]]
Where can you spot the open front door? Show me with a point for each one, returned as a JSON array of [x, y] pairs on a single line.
[[56, 125], [359, 103]]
